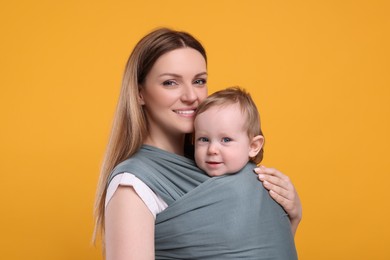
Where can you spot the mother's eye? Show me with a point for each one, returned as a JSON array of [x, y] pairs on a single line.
[[200, 81], [169, 83]]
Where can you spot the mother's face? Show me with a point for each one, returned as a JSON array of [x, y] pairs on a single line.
[[172, 91]]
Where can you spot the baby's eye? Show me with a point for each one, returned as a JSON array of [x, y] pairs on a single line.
[[226, 140], [203, 139], [169, 83], [200, 81]]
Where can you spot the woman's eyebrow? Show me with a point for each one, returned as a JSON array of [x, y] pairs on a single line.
[[201, 74], [180, 76], [170, 74]]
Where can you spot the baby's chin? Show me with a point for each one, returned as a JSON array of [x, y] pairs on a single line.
[[217, 173]]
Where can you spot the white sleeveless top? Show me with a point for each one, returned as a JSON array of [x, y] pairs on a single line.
[[154, 202]]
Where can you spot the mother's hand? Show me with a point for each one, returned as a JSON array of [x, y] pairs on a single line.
[[283, 192]]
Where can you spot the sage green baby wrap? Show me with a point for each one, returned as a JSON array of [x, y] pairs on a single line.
[[225, 217]]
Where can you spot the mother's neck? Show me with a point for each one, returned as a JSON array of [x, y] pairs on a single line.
[[173, 144]]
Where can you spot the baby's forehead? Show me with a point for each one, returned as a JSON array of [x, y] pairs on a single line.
[[220, 111], [227, 114]]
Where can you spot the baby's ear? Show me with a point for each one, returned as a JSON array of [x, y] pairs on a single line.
[[256, 145]]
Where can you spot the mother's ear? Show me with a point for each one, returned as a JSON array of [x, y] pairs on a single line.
[[140, 96], [256, 145]]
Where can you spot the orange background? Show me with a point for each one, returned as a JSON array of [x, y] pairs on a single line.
[[318, 70]]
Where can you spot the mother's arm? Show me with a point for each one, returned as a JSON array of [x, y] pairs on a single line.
[[282, 191], [129, 227]]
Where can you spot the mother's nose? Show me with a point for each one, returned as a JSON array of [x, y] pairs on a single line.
[[189, 94]]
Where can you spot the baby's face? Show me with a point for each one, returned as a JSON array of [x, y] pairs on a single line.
[[222, 144]]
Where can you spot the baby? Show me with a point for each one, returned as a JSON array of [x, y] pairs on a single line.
[[227, 132], [228, 139]]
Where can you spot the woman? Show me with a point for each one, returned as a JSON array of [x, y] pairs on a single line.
[[164, 82]]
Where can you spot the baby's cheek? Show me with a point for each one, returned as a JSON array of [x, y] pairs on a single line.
[[198, 155]]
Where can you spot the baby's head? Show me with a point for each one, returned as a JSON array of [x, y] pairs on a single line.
[[227, 132]]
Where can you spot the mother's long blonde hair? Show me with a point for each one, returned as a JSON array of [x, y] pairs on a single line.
[[130, 125]]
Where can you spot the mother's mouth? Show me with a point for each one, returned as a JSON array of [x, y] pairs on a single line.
[[185, 112]]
